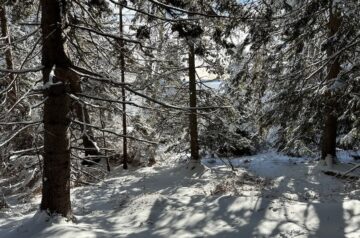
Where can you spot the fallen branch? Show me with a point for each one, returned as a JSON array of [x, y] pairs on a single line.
[[344, 175]]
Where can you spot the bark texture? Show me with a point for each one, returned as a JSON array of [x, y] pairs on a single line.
[[56, 174], [193, 125], [328, 144], [122, 65], [81, 112]]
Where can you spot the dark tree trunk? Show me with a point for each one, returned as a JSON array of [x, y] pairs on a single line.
[[88, 137], [68, 75], [122, 65], [56, 174], [328, 144], [193, 126], [8, 54]]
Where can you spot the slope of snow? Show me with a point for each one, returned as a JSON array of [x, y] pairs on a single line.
[[291, 198]]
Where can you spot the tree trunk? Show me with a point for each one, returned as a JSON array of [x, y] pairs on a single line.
[[328, 144], [56, 174], [122, 65], [68, 75], [8, 54], [88, 136], [193, 126], [329, 135]]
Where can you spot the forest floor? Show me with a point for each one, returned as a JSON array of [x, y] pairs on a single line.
[[269, 195]]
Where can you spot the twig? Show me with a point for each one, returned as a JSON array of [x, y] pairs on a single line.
[[114, 133], [22, 71], [18, 132]]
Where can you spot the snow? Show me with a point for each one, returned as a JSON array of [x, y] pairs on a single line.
[[211, 84], [50, 83], [269, 195]]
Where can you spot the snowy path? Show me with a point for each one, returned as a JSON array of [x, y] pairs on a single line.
[[174, 202]]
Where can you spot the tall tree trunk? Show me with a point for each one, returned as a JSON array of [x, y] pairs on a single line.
[[122, 65], [193, 126], [68, 75], [328, 145], [56, 174], [8, 54]]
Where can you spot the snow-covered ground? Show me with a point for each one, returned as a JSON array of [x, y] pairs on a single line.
[[269, 195]]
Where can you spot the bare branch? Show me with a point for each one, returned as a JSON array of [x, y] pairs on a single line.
[[116, 37], [152, 15], [114, 133], [18, 132], [22, 71], [169, 105]]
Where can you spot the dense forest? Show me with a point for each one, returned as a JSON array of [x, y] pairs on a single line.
[[179, 118]]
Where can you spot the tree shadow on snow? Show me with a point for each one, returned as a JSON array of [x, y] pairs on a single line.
[[172, 202], [293, 207]]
